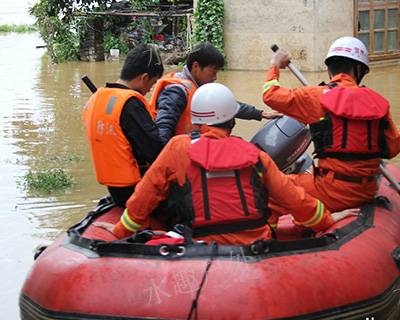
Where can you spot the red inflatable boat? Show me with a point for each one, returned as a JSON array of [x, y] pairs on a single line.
[[350, 272]]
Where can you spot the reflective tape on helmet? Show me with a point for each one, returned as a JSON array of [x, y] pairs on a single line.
[[349, 47], [213, 103], [269, 84], [128, 223]]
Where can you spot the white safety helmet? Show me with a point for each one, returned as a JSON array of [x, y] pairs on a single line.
[[349, 47], [213, 103]]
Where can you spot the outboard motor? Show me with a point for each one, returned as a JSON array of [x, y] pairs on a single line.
[[285, 140]]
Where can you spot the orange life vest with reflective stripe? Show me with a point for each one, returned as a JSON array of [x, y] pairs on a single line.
[[114, 162], [184, 124]]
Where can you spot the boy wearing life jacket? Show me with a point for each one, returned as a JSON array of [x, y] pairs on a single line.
[[173, 93], [224, 182], [118, 122], [351, 126]]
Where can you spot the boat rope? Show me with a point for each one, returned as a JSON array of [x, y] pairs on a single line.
[[195, 302]]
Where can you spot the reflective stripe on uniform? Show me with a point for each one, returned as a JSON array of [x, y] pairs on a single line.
[[220, 174], [111, 104], [128, 223], [317, 217], [269, 84]]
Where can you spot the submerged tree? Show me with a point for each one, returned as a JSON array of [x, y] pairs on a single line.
[[62, 24], [59, 27]]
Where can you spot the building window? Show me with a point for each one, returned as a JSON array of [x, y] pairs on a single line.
[[377, 25]]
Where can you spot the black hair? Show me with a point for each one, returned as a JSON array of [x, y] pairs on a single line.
[[225, 125], [142, 59], [206, 55], [338, 65]]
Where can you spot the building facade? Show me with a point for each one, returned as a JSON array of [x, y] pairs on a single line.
[[306, 28]]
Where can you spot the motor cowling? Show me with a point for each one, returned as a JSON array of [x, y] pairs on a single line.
[[285, 140]]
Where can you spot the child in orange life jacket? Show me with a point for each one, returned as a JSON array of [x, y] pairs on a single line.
[[351, 126], [224, 182], [118, 122]]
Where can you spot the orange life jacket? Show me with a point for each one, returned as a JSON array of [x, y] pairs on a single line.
[[224, 191], [184, 124], [353, 126], [113, 158]]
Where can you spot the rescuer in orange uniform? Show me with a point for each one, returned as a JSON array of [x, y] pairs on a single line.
[[224, 182], [118, 122], [351, 126], [173, 93]]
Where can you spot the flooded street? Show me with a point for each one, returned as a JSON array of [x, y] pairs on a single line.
[[40, 127]]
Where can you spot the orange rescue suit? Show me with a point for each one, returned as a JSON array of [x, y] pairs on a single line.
[[112, 154], [172, 166], [184, 124], [304, 105]]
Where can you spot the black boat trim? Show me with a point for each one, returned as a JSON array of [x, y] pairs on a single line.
[[30, 310], [383, 306], [255, 252]]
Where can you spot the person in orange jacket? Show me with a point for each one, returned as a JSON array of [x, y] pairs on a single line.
[[223, 182], [173, 93], [351, 126], [118, 122]]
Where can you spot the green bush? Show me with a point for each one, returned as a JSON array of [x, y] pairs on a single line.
[[209, 22], [21, 28], [61, 28], [47, 181], [58, 32], [145, 4], [66, 44], [112, 42]]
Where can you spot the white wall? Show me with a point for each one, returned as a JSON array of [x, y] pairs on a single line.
[[304, 27]]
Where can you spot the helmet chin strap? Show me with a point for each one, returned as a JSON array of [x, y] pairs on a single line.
[[231, 124], [228, 125], [358, 73]]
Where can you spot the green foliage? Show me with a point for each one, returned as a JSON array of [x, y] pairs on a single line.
[[61, 28], [143, 4], [56, 30], [21, 28], [66, 43], [47, 181], [209, 22], [112, 42]]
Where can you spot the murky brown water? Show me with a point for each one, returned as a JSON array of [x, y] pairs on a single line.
[[40, 127]]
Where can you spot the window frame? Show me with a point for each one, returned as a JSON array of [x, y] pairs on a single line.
[[371, 6]]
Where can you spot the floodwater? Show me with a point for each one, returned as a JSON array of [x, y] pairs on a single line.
[[40, 127]]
